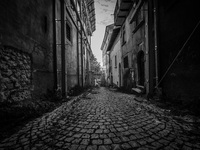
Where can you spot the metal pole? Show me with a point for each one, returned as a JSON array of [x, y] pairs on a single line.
[[78, 56], [155, 41], [63, 47], [54, 47]]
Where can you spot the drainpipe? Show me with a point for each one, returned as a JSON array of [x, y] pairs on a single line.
[[77, 39], [62, 5], [77, 33], [79, 18], [82, 58], [54, 47], [155, 40]]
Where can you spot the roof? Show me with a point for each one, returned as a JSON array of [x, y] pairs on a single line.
[[113, 37], [91, 10], [108, 28]]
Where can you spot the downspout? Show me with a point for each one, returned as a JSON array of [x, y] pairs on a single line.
[[155, 41], [54, 47], [82, 58], [78, 55], [62, 4], [81, 30], [77, 40]]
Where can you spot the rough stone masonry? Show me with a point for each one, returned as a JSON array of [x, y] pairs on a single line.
[[15, 75]]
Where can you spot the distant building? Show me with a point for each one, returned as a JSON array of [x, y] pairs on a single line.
[[105, 53], [44, 45], [115, 58]]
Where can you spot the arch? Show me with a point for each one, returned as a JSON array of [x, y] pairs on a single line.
[[141, 68]]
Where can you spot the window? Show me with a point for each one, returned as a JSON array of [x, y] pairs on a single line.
[[139, 17], [115, 61], [138, 20], [45, 24], [123, 35], [141, 67], [68, 31], [126, 62]]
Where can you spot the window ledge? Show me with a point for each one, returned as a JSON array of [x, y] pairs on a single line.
[[123, 43], [138, 26]]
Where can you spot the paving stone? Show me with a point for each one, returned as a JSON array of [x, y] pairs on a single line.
[[156, 144], [86, 136], [107, 141], [78, 135], [99, 131], [69, 139], [82, 147], [85, 141], [126, 146], [92, 147], [103, 136], [76, 141], [115, 147], [104, 147], [106, 120], [133, 144], [94, 136], [97, 142], [116, 140], [111, 135]]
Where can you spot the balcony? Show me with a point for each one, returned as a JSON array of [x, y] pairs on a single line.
[[122, 9]]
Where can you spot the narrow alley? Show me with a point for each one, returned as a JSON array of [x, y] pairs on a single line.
[[103, 119]]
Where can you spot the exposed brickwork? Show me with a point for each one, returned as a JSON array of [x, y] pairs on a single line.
[[15, 75], [28, 27]]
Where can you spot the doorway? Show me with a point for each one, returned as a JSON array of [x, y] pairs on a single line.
[[141, 67]]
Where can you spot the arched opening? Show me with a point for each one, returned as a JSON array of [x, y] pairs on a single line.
[[141, 71]]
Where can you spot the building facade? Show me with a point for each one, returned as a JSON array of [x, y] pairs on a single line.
[[159, 47], [106, 54], [115, 58], [44, 46]]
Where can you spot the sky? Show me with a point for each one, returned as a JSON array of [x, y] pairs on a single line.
[[104, 10]]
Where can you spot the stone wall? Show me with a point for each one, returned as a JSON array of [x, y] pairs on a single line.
[[27, 25], [15, 75]]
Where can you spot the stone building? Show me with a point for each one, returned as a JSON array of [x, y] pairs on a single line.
[[159, 44], [44, 46], [115, 58], [105, 53], [79, 20]]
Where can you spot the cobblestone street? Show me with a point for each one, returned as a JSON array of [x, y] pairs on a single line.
[[103, 120]]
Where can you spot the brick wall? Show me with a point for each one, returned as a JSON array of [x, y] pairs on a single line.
[[15, 75]]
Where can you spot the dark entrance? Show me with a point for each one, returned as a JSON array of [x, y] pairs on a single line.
[[141, 73]]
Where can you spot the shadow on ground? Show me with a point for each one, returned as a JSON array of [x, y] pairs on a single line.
[[15, 114]]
